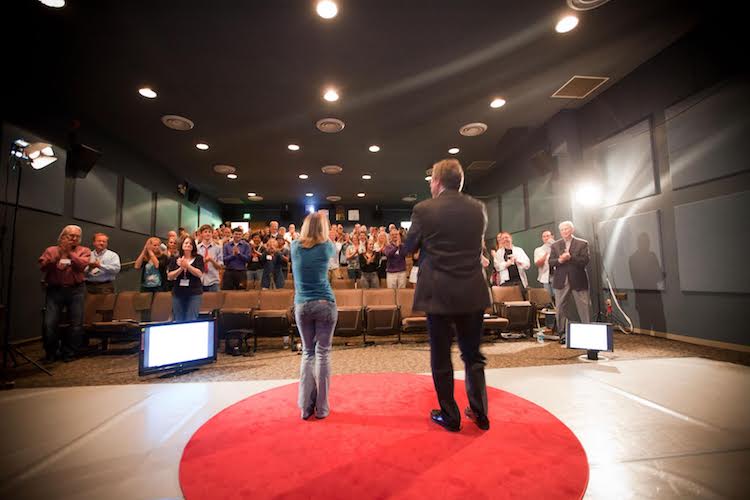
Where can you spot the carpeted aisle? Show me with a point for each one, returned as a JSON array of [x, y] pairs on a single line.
[[379, 442]]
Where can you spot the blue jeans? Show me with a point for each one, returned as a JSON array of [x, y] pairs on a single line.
[[279, 277], [211, 288], [57, 298], [316, 321], [185, 307], [253, 276]]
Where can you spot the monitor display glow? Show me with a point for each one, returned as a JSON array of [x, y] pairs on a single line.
[[177, 346], [590, 336]]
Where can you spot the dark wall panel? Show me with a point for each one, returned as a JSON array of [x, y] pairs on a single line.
[[167, 215], [513, 214], [137, 205], [189, 217], [541, 201], [95, 198]]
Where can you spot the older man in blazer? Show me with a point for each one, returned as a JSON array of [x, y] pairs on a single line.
[[568, 259], [451, 289]]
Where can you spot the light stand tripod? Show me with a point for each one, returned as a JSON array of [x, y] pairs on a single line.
[[11, 352]]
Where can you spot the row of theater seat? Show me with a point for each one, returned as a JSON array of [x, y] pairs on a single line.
[[270, 312]]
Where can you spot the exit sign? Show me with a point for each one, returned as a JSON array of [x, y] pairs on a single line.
[[246, 216]]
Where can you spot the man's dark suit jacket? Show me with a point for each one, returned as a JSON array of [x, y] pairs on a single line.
[[574, 269], [448, 231]]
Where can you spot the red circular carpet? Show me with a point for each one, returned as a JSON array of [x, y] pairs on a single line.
[[379, 442]]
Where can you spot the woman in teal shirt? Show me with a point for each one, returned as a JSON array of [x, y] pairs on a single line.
[[315, 312]]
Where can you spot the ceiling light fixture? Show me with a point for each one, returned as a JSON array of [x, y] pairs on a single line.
[[252, 194], [309, 195], [293, 147], [327, 9], [202, 146], [566, 24], [147, 92], [428, 178], [453, 151], [303, 176], [231, 176], [39, 154], [331, 95], [333, 198], [374, 148], [367, 177], [55, 4], [498, 102], [360, 195]]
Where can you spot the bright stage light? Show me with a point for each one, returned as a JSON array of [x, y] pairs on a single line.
[[589, 195]]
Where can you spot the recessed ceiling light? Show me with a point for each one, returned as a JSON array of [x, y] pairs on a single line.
[[303, 176], [498, 102], [293, 147], [410, 198], [252, 194], [360, 195], [567, 23], [202, 146], [374, 148], [309, 195], [55, 4], [428, 178], [231, 176], [454, 151], [327, 9], [255, 198], [331, 95], [367, 177], [147, 92]]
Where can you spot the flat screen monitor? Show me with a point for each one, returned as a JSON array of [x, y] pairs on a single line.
[[177, 346], [589, 336]]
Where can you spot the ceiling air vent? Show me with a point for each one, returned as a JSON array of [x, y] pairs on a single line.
[[331, 169], [333, 198], [255, 198], [480, 166], [224, 169], [330, 125], [411, 198], [231, 201], [473, 129], [177, 122], [586, 4], [579, 87]]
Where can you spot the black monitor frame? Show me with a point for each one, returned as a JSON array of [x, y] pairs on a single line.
[[179, 367]]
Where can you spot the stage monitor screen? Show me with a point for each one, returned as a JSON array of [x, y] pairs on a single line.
[[589, 336], [177, 346]]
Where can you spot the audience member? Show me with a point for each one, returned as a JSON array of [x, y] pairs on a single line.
[[283, 270], [62, 267], [352, 252], [213, 259], [236, 256], [186, 271], [395, 253], [153, 265], [541, 259], [369, 261], [103, 267], [511, 262], [271, 265], [568, 259], [255, 265], [273, 229], [333, 265]]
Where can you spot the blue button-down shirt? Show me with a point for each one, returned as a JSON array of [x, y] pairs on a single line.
[[210, 272], [109, 267], [236, 262]]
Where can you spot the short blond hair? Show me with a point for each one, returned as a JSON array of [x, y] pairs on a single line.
[[314, 230], [449, 173]]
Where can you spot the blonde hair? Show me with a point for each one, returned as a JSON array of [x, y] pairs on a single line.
[[314, 230], [449, 173]]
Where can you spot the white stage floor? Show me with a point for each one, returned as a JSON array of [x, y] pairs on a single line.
[[658, 428]]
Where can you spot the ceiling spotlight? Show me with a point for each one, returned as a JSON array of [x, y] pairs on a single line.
[[55, 4], [202, 146], [410, 198], [293, 147], [39, 154], [567, 23], [360, 195], [327, 9], [367, 177], [252, 194], [588, 195], [303, 176], [309, 195], [428, 178], [454, 151], [231, 176], [147, 92], [374, 148], [331, 95], [498, 102]]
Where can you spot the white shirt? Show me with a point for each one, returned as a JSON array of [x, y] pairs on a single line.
[[333, 263], [522, 262], [109, 266], [211, 274], [544, 270]]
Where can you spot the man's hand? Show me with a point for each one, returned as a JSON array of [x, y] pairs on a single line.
[[95, 264], [236, 250], [565, 257]]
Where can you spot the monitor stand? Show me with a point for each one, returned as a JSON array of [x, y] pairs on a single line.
[[592, 354], [178, 372]]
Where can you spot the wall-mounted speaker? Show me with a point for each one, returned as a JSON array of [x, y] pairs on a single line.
[[285, 214], [81, 159], [377, 214], [193, 195]]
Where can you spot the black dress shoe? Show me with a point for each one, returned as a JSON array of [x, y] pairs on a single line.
[[439, 419], [482, 422]]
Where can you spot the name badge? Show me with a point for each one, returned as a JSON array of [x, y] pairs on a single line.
[[95, 271], [184, 282], [65, 262], [397, 252], [269, 257]]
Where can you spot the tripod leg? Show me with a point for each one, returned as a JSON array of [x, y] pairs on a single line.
[[13, 351]]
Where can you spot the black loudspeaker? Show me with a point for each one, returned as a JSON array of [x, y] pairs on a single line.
[[285, 215], [377, 214], [193, 195], [81, 159]]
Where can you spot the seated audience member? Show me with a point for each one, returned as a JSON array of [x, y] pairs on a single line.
[[395, 253], [236, 257], [186, 271], [103, 267], [541, 259], [62, 268], [213, 259], [369, 260], [511, 262], [271, 265], [153, 265], [255, 265], [281, 273]]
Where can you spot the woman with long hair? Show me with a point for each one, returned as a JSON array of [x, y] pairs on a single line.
[[185, 271], [315, 312]]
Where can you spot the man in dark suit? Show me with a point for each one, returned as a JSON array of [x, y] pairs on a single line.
[[568, 259], [451, 289]]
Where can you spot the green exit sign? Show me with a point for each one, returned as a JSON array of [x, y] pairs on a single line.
[[246, 216]]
